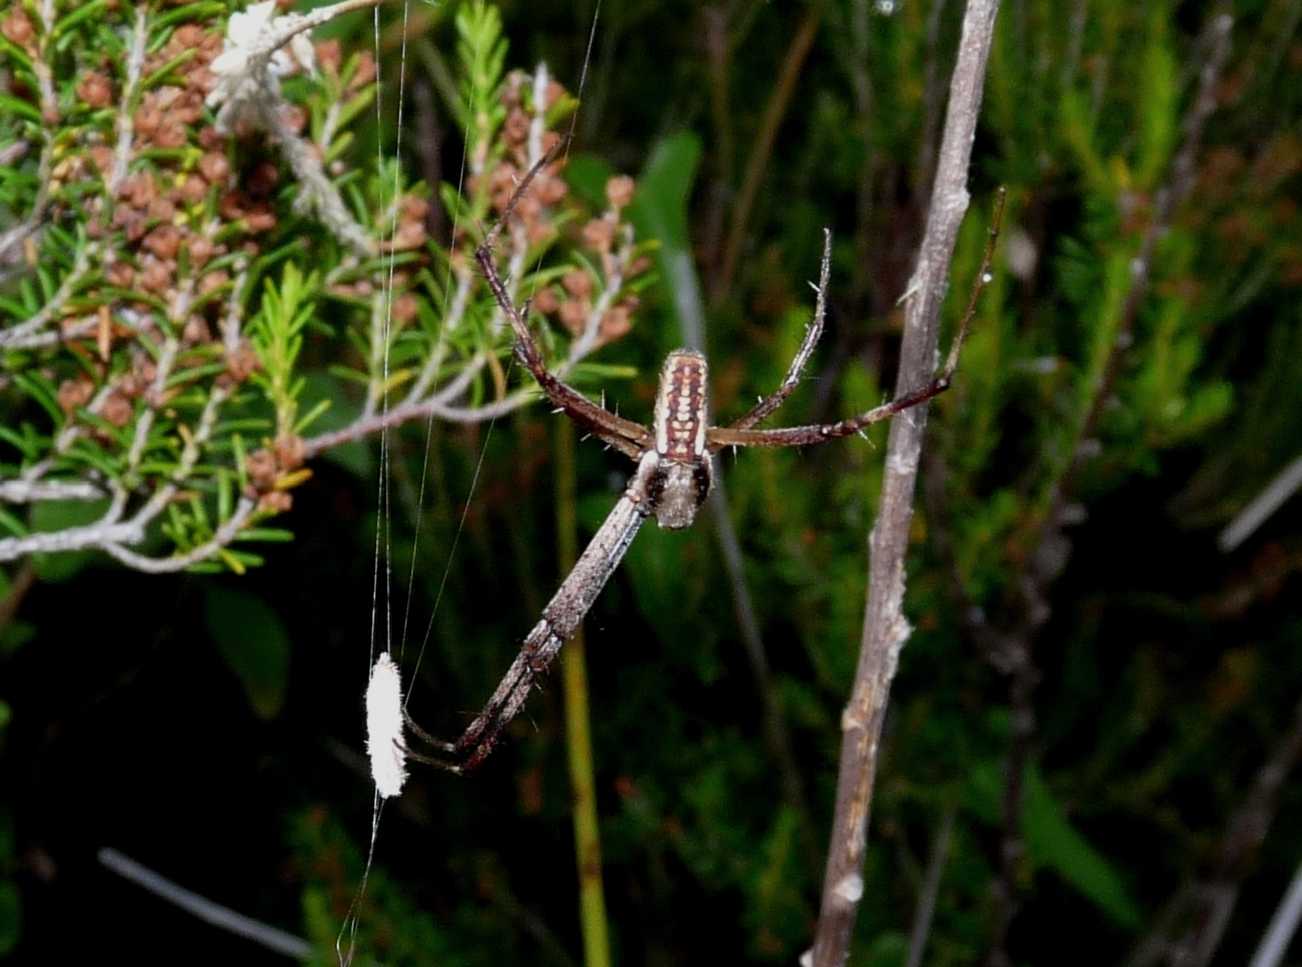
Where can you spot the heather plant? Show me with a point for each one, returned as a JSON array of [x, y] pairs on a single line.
[[210, 283]]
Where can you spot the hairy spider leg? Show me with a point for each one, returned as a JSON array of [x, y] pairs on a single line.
[[803, 436], [629, 438], [560, 618], [769, 404], [798, 436], [672, 479], [448, 749]]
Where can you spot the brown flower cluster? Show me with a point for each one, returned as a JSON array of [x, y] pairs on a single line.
[[117, 407], [409, 232], [157, 234], [269, 471], [157, 207], [548, 188], [573, 303], [18, 29], [329, 58]]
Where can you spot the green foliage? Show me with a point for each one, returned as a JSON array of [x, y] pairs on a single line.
[[481, 49], [1054, 844], [390, 929], [254, 643], [277, 336], [180, 279]]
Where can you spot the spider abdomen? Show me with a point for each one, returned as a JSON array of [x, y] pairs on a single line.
[[683, 478], [682, 405]]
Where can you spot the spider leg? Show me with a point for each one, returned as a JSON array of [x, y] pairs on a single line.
[[560, 618], [803, 436], [430, 760], [766, 406], [425, 737], [624, 435], [798, 436]]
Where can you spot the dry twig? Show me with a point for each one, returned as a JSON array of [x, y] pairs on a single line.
[[885, 627]]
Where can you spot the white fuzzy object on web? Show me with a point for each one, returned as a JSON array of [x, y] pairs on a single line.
[[384, 742]]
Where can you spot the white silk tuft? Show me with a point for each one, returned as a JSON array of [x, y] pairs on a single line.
[[384, 741]]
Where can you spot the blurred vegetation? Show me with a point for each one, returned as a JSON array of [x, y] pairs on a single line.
[[208, 725]]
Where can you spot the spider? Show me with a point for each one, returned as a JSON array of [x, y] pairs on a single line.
[[673, 475]]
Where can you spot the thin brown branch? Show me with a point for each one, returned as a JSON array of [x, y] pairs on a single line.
[[930, 890], [777, 733], [1195, 922], [22, 581], [885, 627], [774, 113], [1012, 650]]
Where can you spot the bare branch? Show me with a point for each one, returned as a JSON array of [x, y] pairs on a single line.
[[21, 335], [127, 106], [317, 192], [926, 908], [33, 491], [205, 909], [1283, 925], [1281, 488], [885, 627], [226, 533], [784, 88], [1191, 930], [107, 530]]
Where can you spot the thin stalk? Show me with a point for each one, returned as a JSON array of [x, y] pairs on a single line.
[[885, 628], [578, 728], [774, 112], [926, 909]]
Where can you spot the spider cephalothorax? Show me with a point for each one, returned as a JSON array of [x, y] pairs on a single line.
[[673, 476]]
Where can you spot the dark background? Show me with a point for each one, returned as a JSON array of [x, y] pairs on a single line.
[[1167, 674]]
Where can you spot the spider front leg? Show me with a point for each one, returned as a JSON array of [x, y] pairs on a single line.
[[803, 436], [560, 618], [740, 434], [766, 406], [624, 435]]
